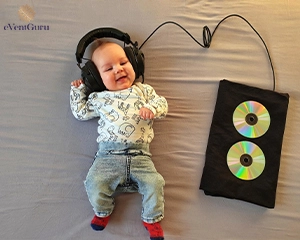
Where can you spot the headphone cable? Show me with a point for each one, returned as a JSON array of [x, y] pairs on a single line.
[[207, 37]]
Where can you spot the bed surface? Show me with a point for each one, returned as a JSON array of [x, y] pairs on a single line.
[[46, 153]]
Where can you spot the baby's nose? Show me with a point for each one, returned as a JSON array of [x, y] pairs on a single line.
[[119, 68]]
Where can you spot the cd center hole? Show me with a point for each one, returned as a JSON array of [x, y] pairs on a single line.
[[246, 160], [251, 119]]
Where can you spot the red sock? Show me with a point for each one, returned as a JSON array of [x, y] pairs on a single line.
[[155, 230], [99, 223]]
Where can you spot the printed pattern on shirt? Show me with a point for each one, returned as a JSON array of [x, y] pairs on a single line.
[[118, 112]]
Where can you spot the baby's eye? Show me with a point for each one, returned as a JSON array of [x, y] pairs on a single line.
[[108, 69], [123, 63]]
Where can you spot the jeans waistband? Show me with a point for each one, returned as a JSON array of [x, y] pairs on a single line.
[[118, 148]]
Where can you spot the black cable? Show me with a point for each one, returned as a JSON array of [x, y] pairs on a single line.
[[265, 45], [207, 37], [177, 24]]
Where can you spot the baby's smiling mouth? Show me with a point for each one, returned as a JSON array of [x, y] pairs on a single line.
[[121, 78]]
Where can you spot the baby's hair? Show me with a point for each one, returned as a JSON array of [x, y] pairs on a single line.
[[97, 43], [100, 42]]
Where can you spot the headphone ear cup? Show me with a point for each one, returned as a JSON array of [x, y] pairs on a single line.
[[91, 77], [136, 58]]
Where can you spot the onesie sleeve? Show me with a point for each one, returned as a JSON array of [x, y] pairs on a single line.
[[81, 107], [156, 103]]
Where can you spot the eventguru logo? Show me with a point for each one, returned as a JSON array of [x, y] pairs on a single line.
[[26, 14]]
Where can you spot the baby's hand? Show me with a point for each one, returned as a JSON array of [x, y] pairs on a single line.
[[77, 83], [146, 113]]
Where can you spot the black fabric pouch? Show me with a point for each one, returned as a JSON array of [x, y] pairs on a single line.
[[217, 178]]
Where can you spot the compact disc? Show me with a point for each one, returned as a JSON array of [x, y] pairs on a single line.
[[246, 160], [251, 119]]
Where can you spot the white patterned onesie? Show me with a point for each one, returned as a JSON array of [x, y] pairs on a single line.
[[119, 112]]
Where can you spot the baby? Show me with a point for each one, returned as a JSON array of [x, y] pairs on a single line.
[[126, 111]]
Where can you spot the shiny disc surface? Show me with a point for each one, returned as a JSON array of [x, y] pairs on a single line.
[[251, 119], [245, 160]]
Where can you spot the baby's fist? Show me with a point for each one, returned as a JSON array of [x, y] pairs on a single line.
[[146, 113], [77, 83]]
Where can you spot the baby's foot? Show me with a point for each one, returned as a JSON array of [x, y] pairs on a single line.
[[99, 223], [155, 230]]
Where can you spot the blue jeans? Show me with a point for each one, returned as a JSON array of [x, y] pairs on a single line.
[[125, 167]]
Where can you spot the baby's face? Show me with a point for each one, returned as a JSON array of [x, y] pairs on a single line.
[[114, 67]]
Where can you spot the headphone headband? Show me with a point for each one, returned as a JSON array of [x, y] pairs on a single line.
[[99, 33]]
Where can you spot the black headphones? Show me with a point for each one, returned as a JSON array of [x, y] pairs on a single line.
[[89, 72]]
